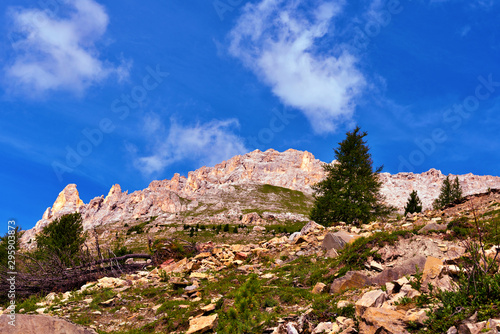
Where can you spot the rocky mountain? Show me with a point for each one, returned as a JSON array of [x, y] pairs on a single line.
[[270, 181]]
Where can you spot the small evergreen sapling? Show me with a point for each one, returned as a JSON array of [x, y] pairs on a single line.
[[450, 192], [414, 204]]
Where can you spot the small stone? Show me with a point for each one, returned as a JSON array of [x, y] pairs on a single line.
[[40, 310], [443, 248], [323, 327], [452, 330], [199, 275], [376, 266], [108, 302], [343, 304], [202, 324], [331, 253], [259, 228], [373, 298], [208, 308], [319, 288], [418, 316], [390, 287]]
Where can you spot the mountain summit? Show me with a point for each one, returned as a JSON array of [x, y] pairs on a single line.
[[275, 182]]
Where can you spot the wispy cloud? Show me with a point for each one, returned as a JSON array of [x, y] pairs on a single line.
[[59, 53], [206, 143], [276, 41], [465, 30]]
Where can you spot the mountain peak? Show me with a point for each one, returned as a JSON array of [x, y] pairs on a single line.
[[232, 187]]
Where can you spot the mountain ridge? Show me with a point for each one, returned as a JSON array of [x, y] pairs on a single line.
[[216, 191]]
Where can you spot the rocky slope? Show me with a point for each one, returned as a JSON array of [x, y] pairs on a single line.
[[234, 187], [295, 283]]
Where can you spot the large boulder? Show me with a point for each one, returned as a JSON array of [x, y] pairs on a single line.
[[311, 227], [408, 267], [382, 320], [433, 226], [351, 280], [332, 241], [434, 274], [38, 324], [374, 298], [356, 279]]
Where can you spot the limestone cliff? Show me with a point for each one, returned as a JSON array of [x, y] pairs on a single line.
[[224, 190]]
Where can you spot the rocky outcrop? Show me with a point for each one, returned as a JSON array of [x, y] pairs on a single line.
[[215, 190], [397, 188]]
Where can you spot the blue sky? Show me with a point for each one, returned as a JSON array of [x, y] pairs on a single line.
[[97, 93]]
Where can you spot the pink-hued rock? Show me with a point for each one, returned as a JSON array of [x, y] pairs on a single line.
[[37, 324], [296, 170]]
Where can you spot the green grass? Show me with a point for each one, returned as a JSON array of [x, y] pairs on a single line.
[[290, 200], [286, 227], [140, 228], [29, 304], [101, 296]]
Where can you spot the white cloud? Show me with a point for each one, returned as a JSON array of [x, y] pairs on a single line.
[[276, 41], [59, 53], [208, 144]]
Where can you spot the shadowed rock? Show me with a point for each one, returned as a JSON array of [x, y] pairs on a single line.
[[332, 241], [433, 227], [406, 268], [353, 279]]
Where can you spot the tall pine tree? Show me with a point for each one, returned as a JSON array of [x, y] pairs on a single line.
[[350, 191]]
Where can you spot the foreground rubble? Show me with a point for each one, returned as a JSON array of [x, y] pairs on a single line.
[[297, 274]]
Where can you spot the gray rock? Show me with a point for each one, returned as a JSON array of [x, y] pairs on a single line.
[[332, 241], [344, 236], [374, 298], [310, 227], [290, 329], [353, 279], [293, 236], [408, 267], [433, 226]]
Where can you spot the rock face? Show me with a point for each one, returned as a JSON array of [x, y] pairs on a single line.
[[219, 189], [36, 324], [397, 188]]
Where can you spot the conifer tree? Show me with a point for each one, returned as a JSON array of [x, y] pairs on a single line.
[[414, 204], [63, 237], [350, 191], [449, 193]]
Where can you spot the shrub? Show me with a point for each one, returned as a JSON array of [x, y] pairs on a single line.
[[246, 315]]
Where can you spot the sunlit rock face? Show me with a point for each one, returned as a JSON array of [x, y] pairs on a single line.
[[296, 170]]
